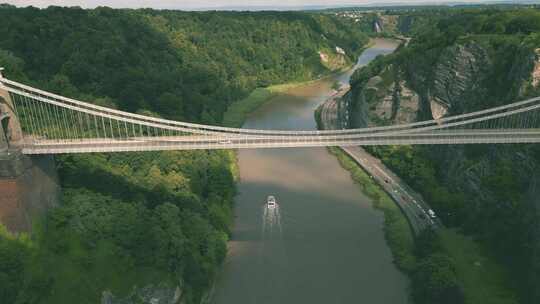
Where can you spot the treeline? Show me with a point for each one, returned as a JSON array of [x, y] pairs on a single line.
[[134, 219], [486, 191]]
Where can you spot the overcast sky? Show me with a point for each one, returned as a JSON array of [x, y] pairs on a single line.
[[195, 4]]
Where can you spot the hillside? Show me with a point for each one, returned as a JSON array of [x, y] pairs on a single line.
[[470, 60], [190, 66]]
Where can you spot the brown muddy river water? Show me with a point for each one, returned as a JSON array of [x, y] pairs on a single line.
[[324, 242]]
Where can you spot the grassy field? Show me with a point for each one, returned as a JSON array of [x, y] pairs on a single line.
[[236, 113], [396, 228], [484, 281]]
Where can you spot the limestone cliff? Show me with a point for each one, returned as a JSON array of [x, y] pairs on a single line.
[[536, 71], [468, 75], [385, 99]]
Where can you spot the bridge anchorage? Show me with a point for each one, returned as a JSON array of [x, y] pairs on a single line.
[[10, 129], [39, 122], [12, 162]]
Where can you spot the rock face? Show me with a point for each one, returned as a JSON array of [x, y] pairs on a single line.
[[385, 23], [463, 80], [438, 110], [459, 73], [536, 71], [151, 294], [383, 100], [333, 61], [28, 188], [456, 85], [407, 104]]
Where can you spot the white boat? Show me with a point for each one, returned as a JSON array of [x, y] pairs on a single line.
[[271, 202]]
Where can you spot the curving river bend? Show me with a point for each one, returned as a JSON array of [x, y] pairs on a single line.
[[324, 243]]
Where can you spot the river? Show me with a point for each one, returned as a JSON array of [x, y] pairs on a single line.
[[324, 243]]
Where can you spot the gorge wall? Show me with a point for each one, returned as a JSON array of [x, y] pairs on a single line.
[[489, 191], [29, 187]]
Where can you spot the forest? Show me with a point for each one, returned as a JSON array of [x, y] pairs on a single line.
[[189, 66], [132, 219]]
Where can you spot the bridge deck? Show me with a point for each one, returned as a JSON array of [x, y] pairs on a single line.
[[506, 136]]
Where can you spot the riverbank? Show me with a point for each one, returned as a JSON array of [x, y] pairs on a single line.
[[481, 278], [398, 228], [397, 232], [238, 111], [236, 114]]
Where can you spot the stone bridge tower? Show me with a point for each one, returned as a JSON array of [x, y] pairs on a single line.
[[10, 128], [28, 185]]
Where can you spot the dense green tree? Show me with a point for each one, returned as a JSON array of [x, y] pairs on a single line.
[[13, 254], [435, 281], [168, 235]]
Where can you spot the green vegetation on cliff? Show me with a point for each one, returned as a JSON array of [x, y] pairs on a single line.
[[464, 61], [129, 220]]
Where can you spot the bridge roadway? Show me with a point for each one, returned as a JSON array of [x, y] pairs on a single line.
[[507, 136]]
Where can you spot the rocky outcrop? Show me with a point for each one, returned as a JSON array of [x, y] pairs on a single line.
[[384, 100], [384, 103], [407, 104], [386, 24], [323, 57], [377, 27], [459, 73], [536, 71], [151, 294], [438, 110], [334, 60]]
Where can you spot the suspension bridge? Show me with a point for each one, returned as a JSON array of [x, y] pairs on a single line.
[[40, 122]]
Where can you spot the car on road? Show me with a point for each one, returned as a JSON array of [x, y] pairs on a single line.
[[225, 142], [432, 214]]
